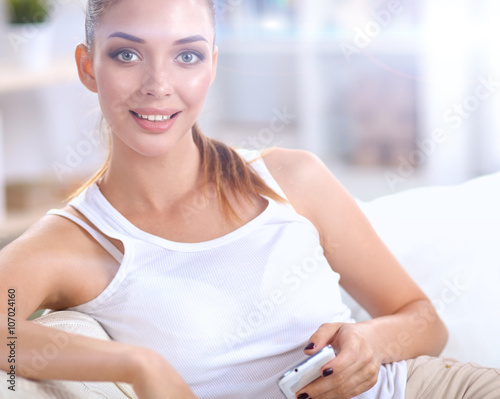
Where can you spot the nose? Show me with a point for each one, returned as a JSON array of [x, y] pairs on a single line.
[[157, 81]]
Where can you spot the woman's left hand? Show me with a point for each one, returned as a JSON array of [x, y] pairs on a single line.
[[355, 368]]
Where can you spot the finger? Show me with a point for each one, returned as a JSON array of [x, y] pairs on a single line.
[[361, 382], [346, 384], [322, 337], [352, 380], [327, 381], [350, 353], [352, 349], [352, 367]]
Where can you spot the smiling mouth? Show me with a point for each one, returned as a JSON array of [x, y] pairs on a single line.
[[155, 118]]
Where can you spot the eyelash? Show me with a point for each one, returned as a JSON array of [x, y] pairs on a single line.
[[200, 57], [116, 54]]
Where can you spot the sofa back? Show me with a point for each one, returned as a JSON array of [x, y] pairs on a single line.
[[448, 239]]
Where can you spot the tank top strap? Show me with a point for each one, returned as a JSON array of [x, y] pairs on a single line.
[[254, 158], [96, 208], [100, 238]]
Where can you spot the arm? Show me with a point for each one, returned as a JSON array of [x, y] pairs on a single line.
[[42, 266], [404, 324], [82, 358]]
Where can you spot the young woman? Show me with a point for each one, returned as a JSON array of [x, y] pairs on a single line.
[[214, 270]]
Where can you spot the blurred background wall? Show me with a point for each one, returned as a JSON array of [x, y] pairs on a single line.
[[390, 94]]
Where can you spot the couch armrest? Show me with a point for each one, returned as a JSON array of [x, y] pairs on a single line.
[[76, 323]]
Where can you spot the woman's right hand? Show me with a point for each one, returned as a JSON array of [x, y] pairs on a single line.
[[155, 378]]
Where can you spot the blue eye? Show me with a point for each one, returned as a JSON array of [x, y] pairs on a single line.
[[189, 57], [125, 56]]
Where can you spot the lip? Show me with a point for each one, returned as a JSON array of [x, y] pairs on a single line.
[[155, 127]]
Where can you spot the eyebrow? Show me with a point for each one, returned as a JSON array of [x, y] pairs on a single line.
[[126, 36], [190, 39]]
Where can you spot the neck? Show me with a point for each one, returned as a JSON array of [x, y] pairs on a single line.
[[137, 182]]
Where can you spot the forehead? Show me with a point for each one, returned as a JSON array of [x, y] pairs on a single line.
[[161, 19]]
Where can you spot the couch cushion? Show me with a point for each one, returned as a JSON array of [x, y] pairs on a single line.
[[448, 239]]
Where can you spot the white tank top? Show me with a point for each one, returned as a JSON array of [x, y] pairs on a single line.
[[231, 314]]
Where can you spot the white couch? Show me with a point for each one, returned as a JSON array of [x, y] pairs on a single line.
[[448, 238]]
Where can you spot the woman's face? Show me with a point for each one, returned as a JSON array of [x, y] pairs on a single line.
[[153, 62]]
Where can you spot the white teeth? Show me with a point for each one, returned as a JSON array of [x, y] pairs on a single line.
[[155, 118]]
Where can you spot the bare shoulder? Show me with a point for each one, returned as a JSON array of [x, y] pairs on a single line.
[[284, 161], [54, 261], [292, 169], [304, 179]]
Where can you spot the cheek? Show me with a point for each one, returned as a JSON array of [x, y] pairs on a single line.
[[195, 88], [114, 92]]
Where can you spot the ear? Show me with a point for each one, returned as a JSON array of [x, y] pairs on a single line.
[[85, 67], [214, 64]]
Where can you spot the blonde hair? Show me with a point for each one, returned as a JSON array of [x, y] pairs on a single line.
[[222, 165]]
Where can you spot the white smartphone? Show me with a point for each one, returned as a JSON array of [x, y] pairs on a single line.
[[305, 372]]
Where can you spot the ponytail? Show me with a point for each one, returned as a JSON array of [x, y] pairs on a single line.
[[222, 164]]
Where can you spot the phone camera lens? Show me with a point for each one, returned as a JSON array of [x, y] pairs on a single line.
[[296, 370]]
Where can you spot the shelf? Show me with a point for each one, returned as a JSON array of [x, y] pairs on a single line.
[[14, 79]]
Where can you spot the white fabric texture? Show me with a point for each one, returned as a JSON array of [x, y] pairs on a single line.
[[448, 239], [230, 314]]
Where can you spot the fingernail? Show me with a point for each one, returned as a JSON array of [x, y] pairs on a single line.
[[303, 396], [308, 348], [327, 372]]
